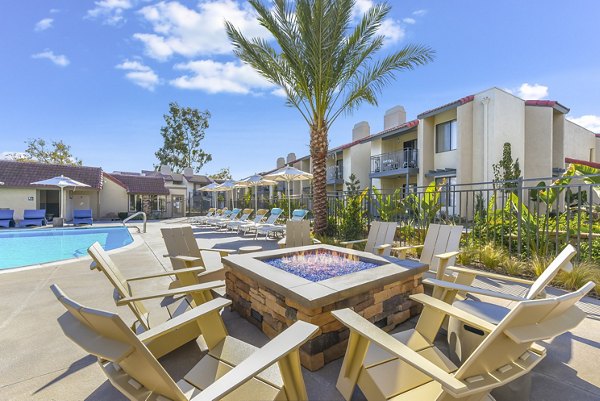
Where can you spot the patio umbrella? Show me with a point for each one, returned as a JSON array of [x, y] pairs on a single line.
[[228, 186], [254, 181], [61, 182], [212, 187], [289, 174]]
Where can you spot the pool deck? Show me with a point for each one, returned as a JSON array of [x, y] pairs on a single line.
[[37, 362]]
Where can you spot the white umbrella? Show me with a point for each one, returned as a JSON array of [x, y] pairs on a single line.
[[254, 181], [289, 174], [61, 182], [228, 186], [212, 187]]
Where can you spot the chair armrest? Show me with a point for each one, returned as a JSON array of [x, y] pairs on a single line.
[[447, 255], [172, 292], [223, 252], [289, 340], [383, 246], [186, 317], [473, 290], [358, 241], [368, 330], [185, 258], [406, 248], [489, 275], [450, 310], [199, 269]]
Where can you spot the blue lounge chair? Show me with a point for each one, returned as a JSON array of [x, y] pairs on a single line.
[[33, 217], [82, 216], [297, 215], [6, 218]]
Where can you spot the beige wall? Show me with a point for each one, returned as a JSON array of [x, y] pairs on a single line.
[[17, 199], [426, 145], [113, 199], [357, 160], [444, 159], [579, 142], [81, 200], [538, 142]]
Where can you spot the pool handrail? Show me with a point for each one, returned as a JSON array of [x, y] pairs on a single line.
[[134, 215]]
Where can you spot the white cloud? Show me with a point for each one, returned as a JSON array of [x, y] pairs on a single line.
[[179, 30], [12, 155], [419, 13], [390, 28], [58, 59], [410, 21], [43, 24], [531, 92], [54, 10], [589, 121], [216, 77], [139, 74], [110, 11]]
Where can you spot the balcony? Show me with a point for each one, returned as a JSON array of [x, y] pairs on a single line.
[[335, 174], [389, 164]]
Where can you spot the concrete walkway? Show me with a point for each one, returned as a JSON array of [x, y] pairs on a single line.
[[37, 362]]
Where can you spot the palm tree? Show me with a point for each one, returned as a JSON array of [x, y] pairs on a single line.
[[324, 63]]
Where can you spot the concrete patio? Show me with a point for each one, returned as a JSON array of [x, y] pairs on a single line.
[[37, 362]]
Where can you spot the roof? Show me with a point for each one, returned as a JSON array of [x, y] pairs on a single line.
[[198, 178], [548, 103], [22, 174], [583, 162], [140, 184], [447, 106]]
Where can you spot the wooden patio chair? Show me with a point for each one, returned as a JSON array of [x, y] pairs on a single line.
[[439, 250], [174, 301], [297, 233], [406, 366], [380, 239], [232, 369]]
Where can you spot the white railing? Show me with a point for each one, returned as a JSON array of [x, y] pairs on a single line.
[[134, 215]]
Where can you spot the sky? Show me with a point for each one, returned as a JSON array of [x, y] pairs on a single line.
[[99, 75]]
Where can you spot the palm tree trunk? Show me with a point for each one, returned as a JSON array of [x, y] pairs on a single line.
[[318, 153]]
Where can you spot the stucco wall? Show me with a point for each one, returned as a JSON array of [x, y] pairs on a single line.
[[17, 199], [580, 143], [508, 125], [426, 145], [113, 199], [538, 142], [447, 159], [81, 200]]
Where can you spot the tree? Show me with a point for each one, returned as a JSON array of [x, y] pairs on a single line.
[[326, 66], [223, 174], [507, 169], [58, 153], [182, 135]]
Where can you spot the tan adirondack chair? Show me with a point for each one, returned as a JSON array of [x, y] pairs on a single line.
[[462, 338], [184, 252], [380, 239], [439, 249], [297, 233], [175, 301], [406, 366], [232, 369]]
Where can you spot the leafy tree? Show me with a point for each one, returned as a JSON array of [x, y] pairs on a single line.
[[388, 206], [352, 214], [57, 153], [182, 135], [223, 174], [507, 169], [326, 65]]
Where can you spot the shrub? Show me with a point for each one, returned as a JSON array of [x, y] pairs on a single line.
[[491, 256], [513, 266], [582, 272], [468, 254], [539, 264]]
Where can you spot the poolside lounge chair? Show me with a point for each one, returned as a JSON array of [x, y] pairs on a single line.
[[82, 216], [232, 369], [226, 217], [242, 219], [297, 233], [380, 239], [202, 220], [407, 366], [175, 301], [297, 215], [197, 219], [6, 218], [439, 250], [235, 225], [273, 217], [33, 217], [462, 338]]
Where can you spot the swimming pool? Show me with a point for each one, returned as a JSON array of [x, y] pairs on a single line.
[[29, 247]]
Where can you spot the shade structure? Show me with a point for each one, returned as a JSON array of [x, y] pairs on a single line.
[[254, 181], [228, 185], [289, 174], [212, 187], [62, 182]]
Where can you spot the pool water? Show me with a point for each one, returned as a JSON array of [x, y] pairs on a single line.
[[29, 247], [320, 265]]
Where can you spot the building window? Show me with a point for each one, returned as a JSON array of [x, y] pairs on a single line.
[[445, 136], [135, 203]]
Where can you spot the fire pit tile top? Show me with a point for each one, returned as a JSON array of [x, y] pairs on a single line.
[[312, 294]]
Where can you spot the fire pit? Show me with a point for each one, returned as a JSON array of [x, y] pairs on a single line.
[[273, 289]]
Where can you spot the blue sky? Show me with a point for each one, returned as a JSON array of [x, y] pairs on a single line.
[[100, 74]]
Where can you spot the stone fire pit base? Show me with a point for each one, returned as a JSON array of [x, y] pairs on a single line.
[[386, 306]]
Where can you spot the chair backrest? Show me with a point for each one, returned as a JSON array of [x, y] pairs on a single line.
[[440, 238], [505, 353], [275, 214], [234, 213], [260, 214], [299, 214], [297, 233], [561, 262], [106, 336], [211, 211], [34, 214], [6, 214], [122, 289], [82, 213], [246, 214], [180, 241], [381, 233]]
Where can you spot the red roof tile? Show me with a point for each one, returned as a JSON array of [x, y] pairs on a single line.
[[22, 174], [548, 103], [584, 162], [140, 184], [447, 106]]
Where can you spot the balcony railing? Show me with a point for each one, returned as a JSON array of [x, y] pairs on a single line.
[[394, 161], [335, 173]]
